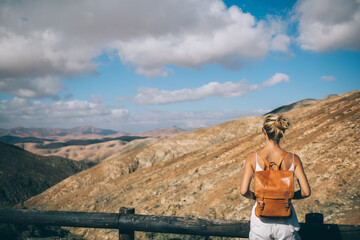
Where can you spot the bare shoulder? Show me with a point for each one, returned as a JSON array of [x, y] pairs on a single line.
[[297, 161], [251, 159]]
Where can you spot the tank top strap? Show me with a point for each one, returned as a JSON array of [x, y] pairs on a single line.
[[281, 159], [292, 167], [257, 168], [264, 159]]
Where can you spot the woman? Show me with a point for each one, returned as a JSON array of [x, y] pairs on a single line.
[[274, 128]]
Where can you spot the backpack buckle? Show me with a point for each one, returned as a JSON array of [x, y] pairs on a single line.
[[287, 205], [272, 165], [261, 205]]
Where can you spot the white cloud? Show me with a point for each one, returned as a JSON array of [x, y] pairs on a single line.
[[187, 120], [280, 43], [329, 24], [41, 87], [43, 52], [24, 112], [328, 78], [235, 39], [223, 90], [61, 38], [277, 78], [213, 89], [28, 113], [31, 64]]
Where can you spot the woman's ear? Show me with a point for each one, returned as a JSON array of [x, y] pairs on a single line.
[[263, 130]]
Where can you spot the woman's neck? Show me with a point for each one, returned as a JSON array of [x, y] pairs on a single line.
[[271, 144]]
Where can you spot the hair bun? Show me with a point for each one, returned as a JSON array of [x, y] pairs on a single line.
[[275, 126], [282, 123]]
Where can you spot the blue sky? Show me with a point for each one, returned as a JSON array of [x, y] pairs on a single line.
[[135, 65]]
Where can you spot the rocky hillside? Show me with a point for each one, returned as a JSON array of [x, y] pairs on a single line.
[[23, 174], [198, 173]]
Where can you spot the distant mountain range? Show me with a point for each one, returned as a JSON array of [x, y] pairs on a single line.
[[57, 133], [21, 134]]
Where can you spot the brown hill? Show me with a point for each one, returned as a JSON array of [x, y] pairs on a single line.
[[23, 174], [295, 105], [167, 132], [198, 173], [298, 104]]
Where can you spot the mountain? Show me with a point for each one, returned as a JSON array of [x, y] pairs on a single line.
[[77, 136], [198, 173], [60, 133], [170, 131], [23, 174], [21, 134], [299, 104], [295, 105]]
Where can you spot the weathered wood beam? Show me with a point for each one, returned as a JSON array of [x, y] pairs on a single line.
[[128, 222], [166, 224], [60, 218], [180, 225]]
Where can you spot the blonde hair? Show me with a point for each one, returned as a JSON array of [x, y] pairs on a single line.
[[275, 126]]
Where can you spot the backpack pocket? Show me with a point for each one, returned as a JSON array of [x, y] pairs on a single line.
[[273, 208]]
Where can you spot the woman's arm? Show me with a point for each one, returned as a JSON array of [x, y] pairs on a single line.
[[304, 191], [246, 179]]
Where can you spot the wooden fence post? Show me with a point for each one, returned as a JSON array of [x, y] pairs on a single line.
[[315, 229], [314, 218], [126, 235]]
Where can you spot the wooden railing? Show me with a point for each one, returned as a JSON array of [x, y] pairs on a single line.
[[127, 223]]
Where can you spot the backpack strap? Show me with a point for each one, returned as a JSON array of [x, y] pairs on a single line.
[[267, 163], [281, 159]]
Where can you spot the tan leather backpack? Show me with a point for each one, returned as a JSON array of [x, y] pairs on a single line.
[[274, 189]]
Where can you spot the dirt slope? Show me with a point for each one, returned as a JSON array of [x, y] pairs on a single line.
[[198, 173]]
